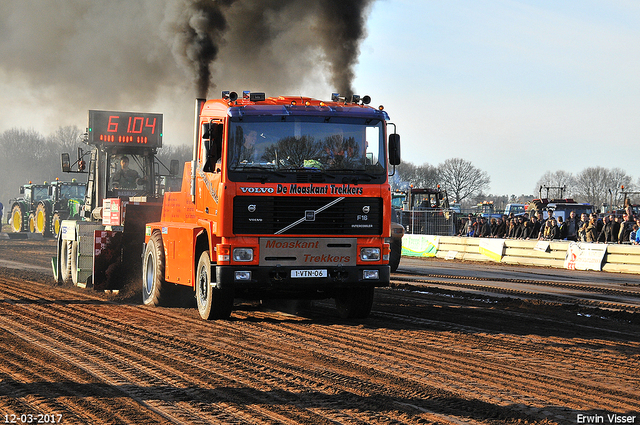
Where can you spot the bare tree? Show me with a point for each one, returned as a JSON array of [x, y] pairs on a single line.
[[617, 179], [557, 179], [461, 179], [67, 138], [422, 176], [592, 185]]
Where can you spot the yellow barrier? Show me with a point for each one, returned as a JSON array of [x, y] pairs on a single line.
[[618, 258]]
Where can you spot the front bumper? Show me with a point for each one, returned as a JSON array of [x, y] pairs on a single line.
[[277, 281]]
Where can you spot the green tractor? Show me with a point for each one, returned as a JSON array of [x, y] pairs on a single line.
[[65, 201], [23, 208]]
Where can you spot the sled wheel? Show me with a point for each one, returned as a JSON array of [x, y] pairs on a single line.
[[64, 261]]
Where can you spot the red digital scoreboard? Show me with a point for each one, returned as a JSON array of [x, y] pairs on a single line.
[[125, 128]]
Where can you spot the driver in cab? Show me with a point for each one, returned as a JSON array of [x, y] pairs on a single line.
[[125, 177]]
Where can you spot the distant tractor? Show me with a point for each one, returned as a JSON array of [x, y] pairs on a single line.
[[23, 208], [65, 201]]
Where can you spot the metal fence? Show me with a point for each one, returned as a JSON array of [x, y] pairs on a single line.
[[428, 222]]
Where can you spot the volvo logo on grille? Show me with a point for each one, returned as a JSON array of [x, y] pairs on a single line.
[[252, 208], [366, 209], [310, 215]]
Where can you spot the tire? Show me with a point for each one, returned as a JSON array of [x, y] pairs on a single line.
[[41, 220], [16, 219], [73, 262], [396, 254], [65, 263], [354, 303], [56, 222], [32, 223], [213, 303], [153, 283]]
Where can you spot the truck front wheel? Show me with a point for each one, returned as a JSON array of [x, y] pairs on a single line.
[[213, 303], [153, 284], [354, 303]]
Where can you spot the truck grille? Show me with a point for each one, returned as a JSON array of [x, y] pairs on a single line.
[[306, 215]]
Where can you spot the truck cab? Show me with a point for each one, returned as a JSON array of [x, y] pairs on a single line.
[[286, 197]]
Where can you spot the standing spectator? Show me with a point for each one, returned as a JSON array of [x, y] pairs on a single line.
[[550, 231], [633, 234], [501, 228], [625, 229], [484, 230], [605, 233], [511, 229], [562, 228], [1, 212], [536, 226], [590, 231], [615, 229], [582, 227], [494, 225], [572, 227]]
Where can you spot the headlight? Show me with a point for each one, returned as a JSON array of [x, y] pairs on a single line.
[[242, 254], [370, 254]]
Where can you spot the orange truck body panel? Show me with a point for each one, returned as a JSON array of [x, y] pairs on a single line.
[[185, 221]]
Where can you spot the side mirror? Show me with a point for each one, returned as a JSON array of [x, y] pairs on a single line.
[[21, 190], [394, 149], [174, 167], [66, 163]]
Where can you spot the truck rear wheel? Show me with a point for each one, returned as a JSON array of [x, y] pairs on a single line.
[[354, 303], [213, 303], [153, 283], [41, 220], [16, 219]]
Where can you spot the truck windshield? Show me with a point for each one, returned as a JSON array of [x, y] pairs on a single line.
[[293, 144]]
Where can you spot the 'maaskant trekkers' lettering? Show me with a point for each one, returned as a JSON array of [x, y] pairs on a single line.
[[331, 189]]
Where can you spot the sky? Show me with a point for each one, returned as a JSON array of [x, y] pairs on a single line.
[[517, 88]]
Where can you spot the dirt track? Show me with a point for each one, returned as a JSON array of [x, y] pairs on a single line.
[[420, 358]]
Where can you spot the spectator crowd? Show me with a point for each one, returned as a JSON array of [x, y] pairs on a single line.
[[611, 228]]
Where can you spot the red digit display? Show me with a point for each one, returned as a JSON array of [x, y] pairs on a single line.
[[125, 128]]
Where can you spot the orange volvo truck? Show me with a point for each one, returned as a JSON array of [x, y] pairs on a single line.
[[286, 197]]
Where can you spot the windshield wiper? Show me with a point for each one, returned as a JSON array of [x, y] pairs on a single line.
[[356, 175], [311, 171], [262, 176]]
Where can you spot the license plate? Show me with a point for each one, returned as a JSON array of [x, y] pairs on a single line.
[[309, 273]]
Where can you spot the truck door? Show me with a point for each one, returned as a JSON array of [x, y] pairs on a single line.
[[209, 169]]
